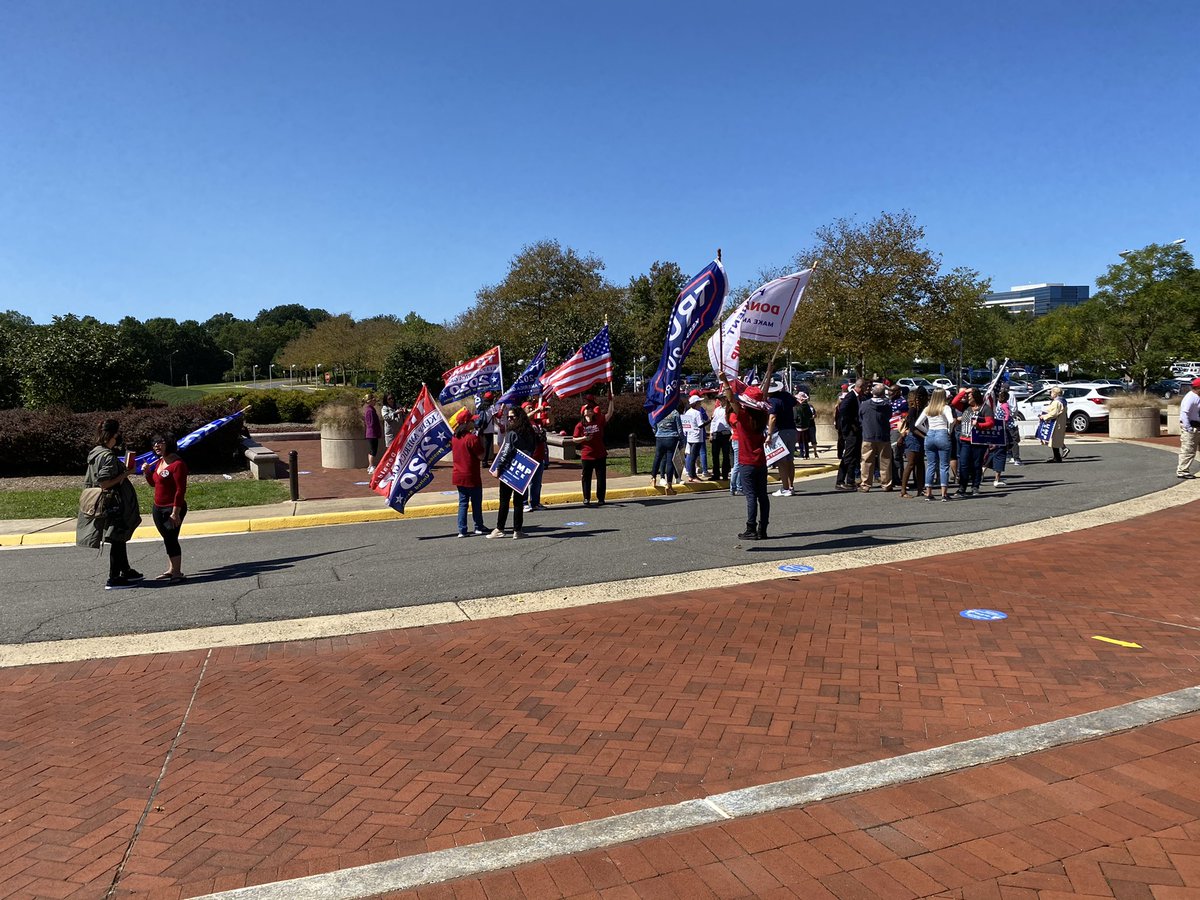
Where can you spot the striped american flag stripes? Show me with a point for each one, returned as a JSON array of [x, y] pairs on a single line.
[[591, 363]]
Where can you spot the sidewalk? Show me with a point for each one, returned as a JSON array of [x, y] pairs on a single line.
[[194, 772]]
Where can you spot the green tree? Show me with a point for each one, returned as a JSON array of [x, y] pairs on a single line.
[[289, 313], [872, 292], [13, 325], [1149, 309], [81, 364], [651, 297], [418, 355]]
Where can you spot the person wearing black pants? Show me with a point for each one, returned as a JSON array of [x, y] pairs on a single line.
[[748, 413], [589, 438], [519, 436], [850, 434], [167, 475], [722, 441], [107, 471]]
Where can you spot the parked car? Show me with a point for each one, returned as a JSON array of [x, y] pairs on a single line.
[[911, 384], [1086, 404], [942, 382], [1168, 387]]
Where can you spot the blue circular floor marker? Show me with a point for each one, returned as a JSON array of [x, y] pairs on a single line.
[[573, 524], [983, 615], [449, 492], [661, 539], [795, 567], [304, 473]]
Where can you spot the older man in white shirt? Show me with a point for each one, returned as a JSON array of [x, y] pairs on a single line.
[[1189, 430]]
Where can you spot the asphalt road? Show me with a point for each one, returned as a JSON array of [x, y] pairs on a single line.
[[57, 593]]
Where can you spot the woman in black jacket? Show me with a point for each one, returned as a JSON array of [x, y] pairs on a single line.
[[520, 436]]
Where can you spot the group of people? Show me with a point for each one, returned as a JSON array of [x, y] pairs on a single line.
[[523, 428], [380, 423], [923, 440], [114, 520]]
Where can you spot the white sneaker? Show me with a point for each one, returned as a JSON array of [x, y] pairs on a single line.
[[1066, 452], [528, 508], [779, 493], [370, 470], [786, 492], [999, 484], [496, 532], [479, 531], [462, 534]]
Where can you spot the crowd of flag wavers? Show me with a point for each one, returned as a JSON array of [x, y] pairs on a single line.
[[916, 442]]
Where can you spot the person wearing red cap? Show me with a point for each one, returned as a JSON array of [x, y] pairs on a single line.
[[467, 454], [539, 420], [1189, 430], [589, 437], [748, 417]]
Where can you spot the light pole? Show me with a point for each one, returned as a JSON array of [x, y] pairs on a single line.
[[171, 362], [292, 377], [270, 371], [232, 362], [254, 373], [317, 374], [788, 351], [641, 376]]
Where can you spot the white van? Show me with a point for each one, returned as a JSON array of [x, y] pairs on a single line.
[[1184, 368]]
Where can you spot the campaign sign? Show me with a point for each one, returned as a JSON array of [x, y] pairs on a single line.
[[776, 449], [983, 615], [1045, 431], [519, 472], [995, 436]]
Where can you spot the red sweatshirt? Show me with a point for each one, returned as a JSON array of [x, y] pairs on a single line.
[[169, 480]]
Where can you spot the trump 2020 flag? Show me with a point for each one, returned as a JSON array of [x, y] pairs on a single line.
[[187, 440], [591, 363], [767, 313], [407, 464], [527, 384], [724, 345], [474, 376], [695, 311]]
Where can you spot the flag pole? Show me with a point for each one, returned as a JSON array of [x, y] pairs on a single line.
[[500, 360], [721, 330]]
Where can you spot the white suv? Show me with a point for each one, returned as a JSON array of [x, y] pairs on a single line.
[[1086, 404]]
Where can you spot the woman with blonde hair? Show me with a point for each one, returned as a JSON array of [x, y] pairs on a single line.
[[1057, 412], [937, 420]]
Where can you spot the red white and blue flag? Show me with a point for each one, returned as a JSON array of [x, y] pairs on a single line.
[[407, 464], [187, 440], [696, 309], [472, 377], [591, 363]]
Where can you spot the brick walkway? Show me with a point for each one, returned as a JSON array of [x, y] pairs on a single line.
[[303, 758]]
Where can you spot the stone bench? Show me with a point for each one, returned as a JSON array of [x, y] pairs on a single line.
[[561, 447], [263, 461]]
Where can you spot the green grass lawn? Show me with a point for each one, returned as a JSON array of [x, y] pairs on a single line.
[[64, 502], [619, 465]]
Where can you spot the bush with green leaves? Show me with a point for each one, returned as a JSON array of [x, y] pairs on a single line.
[[77, 364]]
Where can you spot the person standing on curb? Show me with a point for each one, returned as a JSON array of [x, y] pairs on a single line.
[[782, 421], [721, 440], [850, 432], [748, 413], [167, 475], [1189, 428], [373, 428], [466, 451], [589, 437], [107, 471], [666, 438]]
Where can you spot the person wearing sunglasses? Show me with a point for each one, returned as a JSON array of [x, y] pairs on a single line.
[[168, 475], [518, 436]]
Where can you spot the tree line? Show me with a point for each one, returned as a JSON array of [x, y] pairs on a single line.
[[879, 300]]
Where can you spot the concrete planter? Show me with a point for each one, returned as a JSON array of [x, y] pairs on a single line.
[[827, 435], [343, 448], [1134, 422], [1172, 414], [1028, 429]]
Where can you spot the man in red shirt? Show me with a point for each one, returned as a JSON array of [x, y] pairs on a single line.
[[589, 437]]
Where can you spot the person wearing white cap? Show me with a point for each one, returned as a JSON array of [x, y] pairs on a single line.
[[694, 421], [1189, 429], [782, 421]]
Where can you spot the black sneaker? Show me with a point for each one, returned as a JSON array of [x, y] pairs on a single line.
[[115, 584], [133, 575], [750, 534]]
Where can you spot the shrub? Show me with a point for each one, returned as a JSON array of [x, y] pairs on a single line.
[[629, 417], [57, 442], [1133, 401], [342, 412]]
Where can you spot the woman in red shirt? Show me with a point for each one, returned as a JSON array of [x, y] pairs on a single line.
[[168, 476], [589, 438]]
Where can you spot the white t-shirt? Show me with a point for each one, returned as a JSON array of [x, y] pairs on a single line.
[[943, 421], [693, 425]]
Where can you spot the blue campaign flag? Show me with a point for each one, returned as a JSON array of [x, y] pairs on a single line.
[[474, 376], [519, 472], [187, 440], [412, 469], [696, 310], [528, 383]]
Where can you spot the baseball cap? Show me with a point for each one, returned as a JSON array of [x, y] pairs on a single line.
[[1196, 382], [488, 395]]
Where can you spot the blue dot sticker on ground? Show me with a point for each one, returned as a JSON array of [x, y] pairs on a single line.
[[795, 567], [660, 539], [573, 524], [983, 615]]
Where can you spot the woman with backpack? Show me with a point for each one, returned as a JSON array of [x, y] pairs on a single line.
[[117, 517]]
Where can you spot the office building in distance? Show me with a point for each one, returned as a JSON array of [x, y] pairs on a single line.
[[1038, 299]]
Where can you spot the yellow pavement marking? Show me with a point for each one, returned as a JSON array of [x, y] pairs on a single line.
[[1108, 640]]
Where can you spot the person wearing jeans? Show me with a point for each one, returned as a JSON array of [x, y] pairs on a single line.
[[466, 451], [666, 438], [975, 413], [937, 419]]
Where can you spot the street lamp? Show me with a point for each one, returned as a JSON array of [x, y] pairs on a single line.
[[271, 372], [232, 361], [788, 351], [292, 377], [254, 373], [641, 376], [317, 374], [171, 361]]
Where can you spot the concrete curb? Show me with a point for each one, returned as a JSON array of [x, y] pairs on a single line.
[[235, 525]]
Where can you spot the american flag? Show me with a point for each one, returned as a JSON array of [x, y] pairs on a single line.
[[591, 363]]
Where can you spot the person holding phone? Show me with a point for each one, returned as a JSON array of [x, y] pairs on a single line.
[[167, 475]]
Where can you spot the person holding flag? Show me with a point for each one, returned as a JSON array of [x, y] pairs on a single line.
[[748, 416]]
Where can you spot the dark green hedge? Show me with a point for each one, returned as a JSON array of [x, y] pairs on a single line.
[[57, 442]]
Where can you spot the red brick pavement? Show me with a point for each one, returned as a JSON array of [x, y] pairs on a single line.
[[306, 757], [1117, 817]]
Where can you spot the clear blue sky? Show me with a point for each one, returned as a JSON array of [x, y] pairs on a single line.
[[185, 159]]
